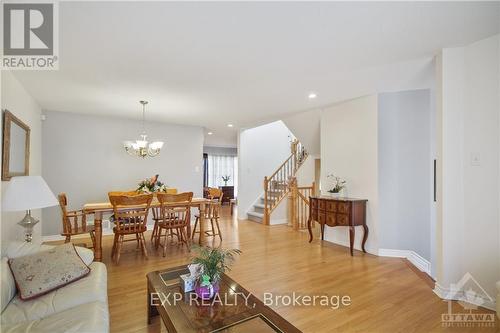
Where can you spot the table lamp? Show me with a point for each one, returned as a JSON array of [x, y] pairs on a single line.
[[27, 193]]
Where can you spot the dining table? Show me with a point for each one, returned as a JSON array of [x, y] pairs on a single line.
[[98, 209]]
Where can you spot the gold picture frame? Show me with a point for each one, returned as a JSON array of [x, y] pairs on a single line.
[[16, 147]]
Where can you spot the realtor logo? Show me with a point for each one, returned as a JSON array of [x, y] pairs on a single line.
[[29, 35], [470, 296]]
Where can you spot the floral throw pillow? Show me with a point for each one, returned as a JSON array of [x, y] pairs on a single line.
[[42, 272]]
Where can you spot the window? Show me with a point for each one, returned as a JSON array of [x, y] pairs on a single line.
[[222, 165]]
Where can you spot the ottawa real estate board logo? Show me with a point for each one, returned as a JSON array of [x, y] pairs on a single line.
[[30, 35], [471, 297]]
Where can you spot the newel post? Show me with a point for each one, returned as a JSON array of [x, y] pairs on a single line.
[[293, 203], [294, 154], [290, 203], [293, 146]]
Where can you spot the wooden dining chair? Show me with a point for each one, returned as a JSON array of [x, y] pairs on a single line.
[[156, 215], [126, 193], [212, 213], [174, 216], [130, 218], [74, 222], [129, 193]]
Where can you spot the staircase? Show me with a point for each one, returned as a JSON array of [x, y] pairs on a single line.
[[257, 214], [276, 186], [274, 197]]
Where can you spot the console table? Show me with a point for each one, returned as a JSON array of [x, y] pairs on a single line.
[[333, 212], [228, 193]]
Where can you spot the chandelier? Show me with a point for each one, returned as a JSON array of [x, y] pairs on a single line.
[[142, 147]]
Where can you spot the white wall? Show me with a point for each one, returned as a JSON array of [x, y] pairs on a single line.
[[306, 172], [83, 156], [468, 125], [17, 100], [349, 150], [306, 128], [405, 166], [261, 150], [433, 187]]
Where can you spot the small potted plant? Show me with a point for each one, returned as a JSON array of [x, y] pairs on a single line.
[[213, 262], [338, 185], [226, 179]]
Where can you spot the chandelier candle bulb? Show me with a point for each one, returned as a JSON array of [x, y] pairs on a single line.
[[157, 145]]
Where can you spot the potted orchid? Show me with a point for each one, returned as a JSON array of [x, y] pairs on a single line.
[[213, 262], [338, 185], [151, 185]]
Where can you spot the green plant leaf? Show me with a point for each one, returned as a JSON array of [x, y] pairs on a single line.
[[214, 261]]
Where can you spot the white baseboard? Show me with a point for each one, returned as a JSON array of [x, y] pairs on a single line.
[[52, 238], [393, 253], [457, 295], [422, 264], [106, 231], [278, 221], [346, 244]]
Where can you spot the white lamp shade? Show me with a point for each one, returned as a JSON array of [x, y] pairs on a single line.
[[27, 192]]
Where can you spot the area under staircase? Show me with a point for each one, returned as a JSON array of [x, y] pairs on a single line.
[[276, 186]]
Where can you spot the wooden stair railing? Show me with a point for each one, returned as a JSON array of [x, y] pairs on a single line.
[[276, 186], [299, 204]]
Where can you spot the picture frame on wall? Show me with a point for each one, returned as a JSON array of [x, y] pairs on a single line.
[[16, 147]]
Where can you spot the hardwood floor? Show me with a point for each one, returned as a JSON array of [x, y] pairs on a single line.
[[387, 294]]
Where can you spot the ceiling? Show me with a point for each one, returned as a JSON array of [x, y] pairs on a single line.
[[210, 64]]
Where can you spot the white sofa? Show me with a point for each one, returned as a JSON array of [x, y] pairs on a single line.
[[81, 306]]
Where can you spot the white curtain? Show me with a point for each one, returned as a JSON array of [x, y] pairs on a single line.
[[219, 166]]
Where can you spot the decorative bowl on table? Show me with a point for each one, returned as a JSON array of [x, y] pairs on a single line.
[[207, 292]]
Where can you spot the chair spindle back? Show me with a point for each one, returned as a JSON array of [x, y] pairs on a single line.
[[130, 211], [175, 208], [68, 228], [213, 208]]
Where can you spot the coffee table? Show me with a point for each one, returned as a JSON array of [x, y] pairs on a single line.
[[234, 309]]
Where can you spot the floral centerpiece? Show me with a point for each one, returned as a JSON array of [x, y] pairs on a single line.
[[212, 262], [151, 185], [338, 184]]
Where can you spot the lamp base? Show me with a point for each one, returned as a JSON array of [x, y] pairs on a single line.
[[28, 222]]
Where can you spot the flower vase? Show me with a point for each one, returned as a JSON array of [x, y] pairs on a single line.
[[335, 194], [207, 292]]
